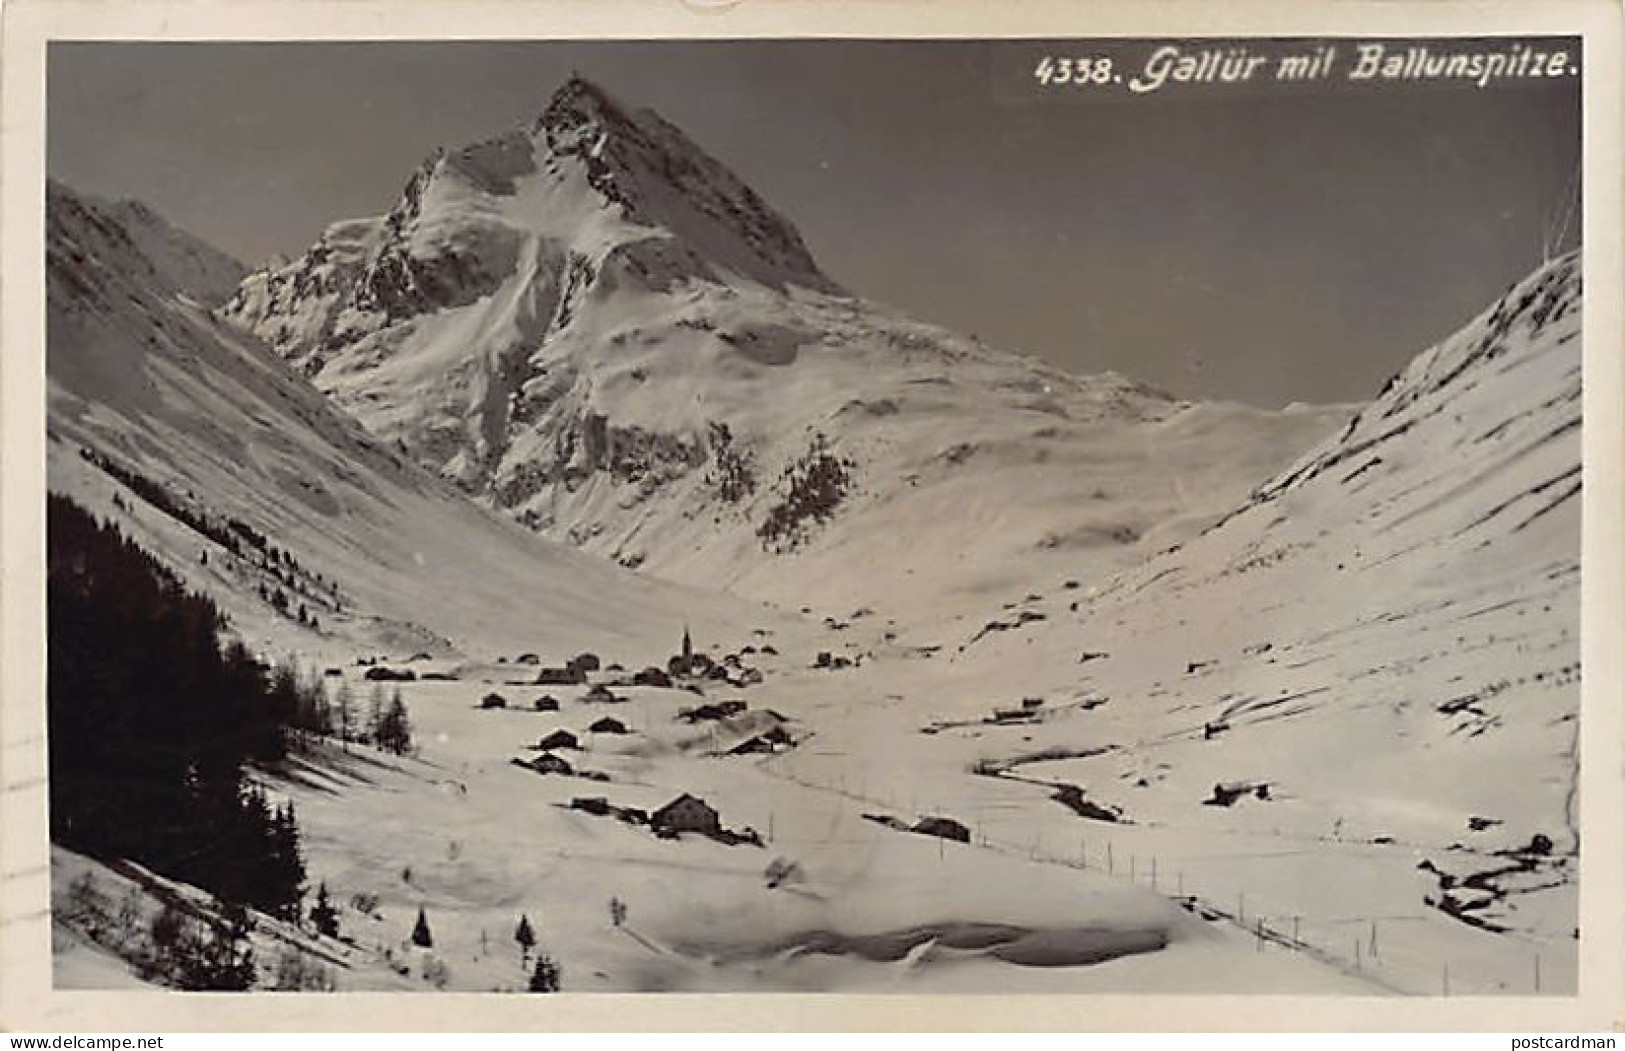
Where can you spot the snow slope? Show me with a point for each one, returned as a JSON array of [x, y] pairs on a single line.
[[1385, 637], [142, 376], [594, 326]]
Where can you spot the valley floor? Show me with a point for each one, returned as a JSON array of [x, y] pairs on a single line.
[[839, 895]]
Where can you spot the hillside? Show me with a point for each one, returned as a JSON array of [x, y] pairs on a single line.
[[1372, 665], [244, 477]]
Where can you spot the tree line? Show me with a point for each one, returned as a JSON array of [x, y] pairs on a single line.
[[152, 722], [385, 724], [240, 539], [155, 718]]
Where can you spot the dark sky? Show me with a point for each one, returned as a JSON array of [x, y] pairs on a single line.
[[1264, 243]]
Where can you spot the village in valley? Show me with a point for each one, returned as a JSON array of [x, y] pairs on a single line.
[[686, 672]]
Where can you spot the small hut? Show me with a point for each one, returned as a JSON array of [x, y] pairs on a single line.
[[601, 694], [686, 813], [558, 739], [548, 763], [652, 677], [944, 828]]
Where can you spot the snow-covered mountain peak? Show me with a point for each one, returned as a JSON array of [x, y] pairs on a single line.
[[592, 323], [589, 197], [659, 177], [577, 103]]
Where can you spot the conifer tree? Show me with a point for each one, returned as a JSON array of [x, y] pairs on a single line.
[[395, 728], [286, 879], [323, 915], [344, 708], [420, 933], [269, 740], [545, 977], [375, 712], [525, 937], [321, 712]]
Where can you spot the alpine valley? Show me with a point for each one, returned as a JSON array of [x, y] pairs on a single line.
[[756, 636]]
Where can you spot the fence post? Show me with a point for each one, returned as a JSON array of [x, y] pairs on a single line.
[[1111, 868], [1373, 939], [1241, 906], [1153, 872], [1537, 972]]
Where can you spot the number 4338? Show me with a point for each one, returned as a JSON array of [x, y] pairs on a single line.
[[1051, 70]]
